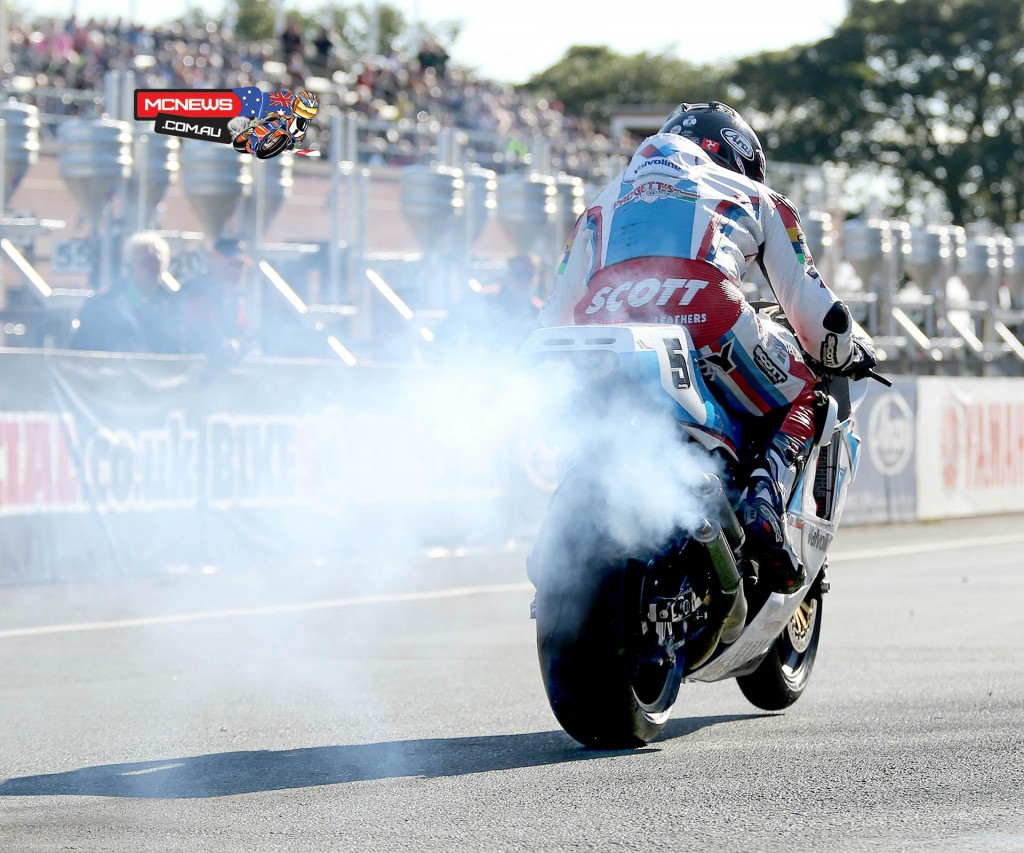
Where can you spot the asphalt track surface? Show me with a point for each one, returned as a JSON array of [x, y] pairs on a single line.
[[399, 707]]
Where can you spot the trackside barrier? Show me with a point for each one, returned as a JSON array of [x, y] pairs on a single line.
[[886, 485], [971, 432], [115, 464]]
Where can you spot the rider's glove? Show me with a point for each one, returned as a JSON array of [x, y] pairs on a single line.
[[862, 359]]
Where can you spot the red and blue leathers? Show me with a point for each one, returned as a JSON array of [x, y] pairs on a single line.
[[669, 241]]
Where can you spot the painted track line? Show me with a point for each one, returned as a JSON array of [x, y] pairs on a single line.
[[450, 592], [927, 547], [272, 610]]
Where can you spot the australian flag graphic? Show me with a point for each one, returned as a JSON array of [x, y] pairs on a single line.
[[256, 103]]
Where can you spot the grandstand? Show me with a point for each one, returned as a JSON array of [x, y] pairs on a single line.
[[429, 178]]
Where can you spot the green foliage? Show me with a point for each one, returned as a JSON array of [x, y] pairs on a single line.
[[254, 19], [196, 17], [305, 20], [360, 32], [363, 28], [589, 80], [932, 88], [362, 35]]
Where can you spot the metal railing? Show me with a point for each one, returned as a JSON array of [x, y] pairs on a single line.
[[937, 298]]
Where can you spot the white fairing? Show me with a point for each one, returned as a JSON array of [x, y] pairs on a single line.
[[756, 638], [810, 536], [671, 344]]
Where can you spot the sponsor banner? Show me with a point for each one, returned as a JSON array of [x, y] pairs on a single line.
[[121, 464], [885, 488], [126, 463], [971, 435]]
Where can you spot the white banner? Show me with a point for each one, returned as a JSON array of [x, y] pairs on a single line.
[[970, 443]]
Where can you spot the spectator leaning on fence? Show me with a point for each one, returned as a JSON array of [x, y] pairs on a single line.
[[136, 312]]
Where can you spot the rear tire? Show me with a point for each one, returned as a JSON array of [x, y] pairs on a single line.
[[782, 676], [589, 627]]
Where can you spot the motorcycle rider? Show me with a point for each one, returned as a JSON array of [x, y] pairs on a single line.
[[305, 106], [669, 241]]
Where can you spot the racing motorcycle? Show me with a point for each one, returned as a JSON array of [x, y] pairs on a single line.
[[265, 138], [640, 571]]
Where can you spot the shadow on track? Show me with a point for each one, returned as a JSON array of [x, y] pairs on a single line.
[[227, 773]]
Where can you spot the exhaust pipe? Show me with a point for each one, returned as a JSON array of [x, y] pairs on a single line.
[[711, 491], [712, 536]]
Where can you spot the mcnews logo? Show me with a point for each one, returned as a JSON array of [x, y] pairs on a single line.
[[255, 122]]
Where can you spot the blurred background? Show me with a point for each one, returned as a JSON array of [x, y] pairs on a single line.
[[236, 301], [898, 132]]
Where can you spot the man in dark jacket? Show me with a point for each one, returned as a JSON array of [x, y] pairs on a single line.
[[137, 312]]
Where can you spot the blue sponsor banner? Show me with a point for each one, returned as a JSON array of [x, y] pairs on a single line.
[[886, 485]]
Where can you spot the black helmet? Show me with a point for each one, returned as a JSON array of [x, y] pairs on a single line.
[[722, 133]]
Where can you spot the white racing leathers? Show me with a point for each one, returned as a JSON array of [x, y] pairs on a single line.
[[669, 241]]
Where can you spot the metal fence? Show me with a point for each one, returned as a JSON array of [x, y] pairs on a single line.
[[937, 298]]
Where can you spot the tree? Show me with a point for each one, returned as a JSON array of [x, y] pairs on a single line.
[[254, 19], [371, 29], [933, 88], [589, 80]]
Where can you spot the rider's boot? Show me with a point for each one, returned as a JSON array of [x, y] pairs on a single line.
[[764, 513]]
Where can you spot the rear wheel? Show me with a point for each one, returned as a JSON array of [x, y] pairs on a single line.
[[606, 683], [600, 692], [782, 676]]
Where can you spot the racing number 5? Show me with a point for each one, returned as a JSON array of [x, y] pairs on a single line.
[[677, 361]]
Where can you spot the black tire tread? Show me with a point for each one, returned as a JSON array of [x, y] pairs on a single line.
[[582, 631]]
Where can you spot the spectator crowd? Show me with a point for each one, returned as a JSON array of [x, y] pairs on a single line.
[[62, 63]]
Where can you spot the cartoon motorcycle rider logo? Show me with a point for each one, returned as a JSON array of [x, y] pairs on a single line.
[[279, 130]]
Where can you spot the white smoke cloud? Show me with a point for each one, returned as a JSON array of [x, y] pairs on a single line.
[[644, 474]]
